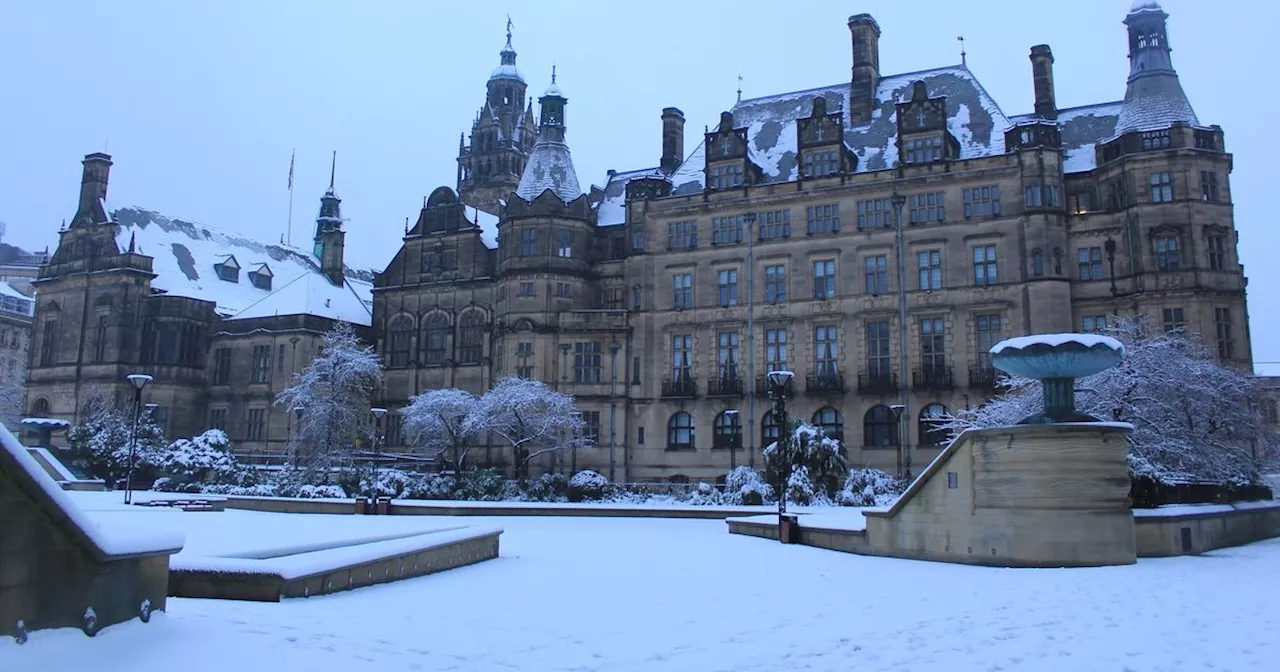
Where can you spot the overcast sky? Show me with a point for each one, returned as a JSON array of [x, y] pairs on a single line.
[[200, 103]]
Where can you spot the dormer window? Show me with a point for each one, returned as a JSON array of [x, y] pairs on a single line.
[[726, 176], [821, 163], [228, 269], [260, 277], [924, 150]]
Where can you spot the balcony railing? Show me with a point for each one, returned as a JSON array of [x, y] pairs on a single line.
[[728, 386], [875, 383], [933, 378], [824, 383], [982, 377], [679, 388]]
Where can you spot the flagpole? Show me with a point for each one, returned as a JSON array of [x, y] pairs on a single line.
[[288, 235]]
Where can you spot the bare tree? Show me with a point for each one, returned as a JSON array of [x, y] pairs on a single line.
[[531, 417], [332, 397], [1194, 419], [436, 421]]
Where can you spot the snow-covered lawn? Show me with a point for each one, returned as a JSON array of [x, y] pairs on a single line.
[[650, 594]]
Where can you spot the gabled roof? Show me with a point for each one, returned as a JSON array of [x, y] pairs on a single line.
[[612, 209], [974, 119], [184, 255], [312, 294]]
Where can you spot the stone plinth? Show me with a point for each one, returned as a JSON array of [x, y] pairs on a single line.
[[1053, 495]]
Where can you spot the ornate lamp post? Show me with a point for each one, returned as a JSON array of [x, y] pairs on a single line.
[[897, 435], [734, 436], [778, 384], [614, 347], [138, 381], [378, 414]]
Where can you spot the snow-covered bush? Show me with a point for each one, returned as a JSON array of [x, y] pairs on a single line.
[[746, 486], [100, 444], [432, 486], [869, 487], [587, 486], [387, 483], [705, 494], [482, 485], [258, 490], [549, 487], [320, 492], [809, 447], [800, 488], [205, 459], [1193, 417]]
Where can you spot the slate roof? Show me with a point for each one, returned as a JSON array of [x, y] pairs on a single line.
[[974, 119], [1154, 101], [1082, 128], [549, 167], [612, 209], [184, 254]]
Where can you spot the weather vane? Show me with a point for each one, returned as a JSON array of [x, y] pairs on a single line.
[[963, 58]]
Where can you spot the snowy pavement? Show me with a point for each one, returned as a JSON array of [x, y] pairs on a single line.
[[623, 594]]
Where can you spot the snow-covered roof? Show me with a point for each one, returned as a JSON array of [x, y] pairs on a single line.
[[1154, 101], [612, 209], [488, 225], [1081, 129], [7, 290], [549, 167], [1145, 6], [974, 119], [313, 294], [184, 254], [506, 71]]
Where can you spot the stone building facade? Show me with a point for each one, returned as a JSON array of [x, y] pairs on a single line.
[[661, 299], [875, 237]]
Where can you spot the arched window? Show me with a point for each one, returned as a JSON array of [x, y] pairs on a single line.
[[40, 408], [680, 432], [399, 337], [768, 429], [879, 430], [831, 422], [932, 433], [435, 340], [471, 338], [1037, 262], [728, 431]]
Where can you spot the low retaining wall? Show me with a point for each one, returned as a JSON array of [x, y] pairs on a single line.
[[830, 538], [331, 570], [428, 508], [1185, 530]]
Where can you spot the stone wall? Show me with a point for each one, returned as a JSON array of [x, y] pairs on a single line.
[[1030, 495], [1159, 534]]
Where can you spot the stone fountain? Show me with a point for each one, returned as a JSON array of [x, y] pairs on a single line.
[[1050, 491]]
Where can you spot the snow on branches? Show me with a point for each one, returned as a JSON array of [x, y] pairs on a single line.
[[528, 415], [331, 397], [436, 421], [812, 454], [1195, 420], [100, 443]]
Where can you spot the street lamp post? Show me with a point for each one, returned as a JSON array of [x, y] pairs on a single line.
[[731, 417], [750, 217], [903, 370], [139, 381], [897, 434], [378, 414], [778, 382], [614, 347]]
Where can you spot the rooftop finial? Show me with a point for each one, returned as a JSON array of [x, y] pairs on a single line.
[[739, 88], [963, 57], [553, 73], [333, 169], [509, 31]]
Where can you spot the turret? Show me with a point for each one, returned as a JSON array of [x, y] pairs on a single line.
[[330, 240], [1153, 98]]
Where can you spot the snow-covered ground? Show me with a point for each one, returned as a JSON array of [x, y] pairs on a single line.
[[621, 594]]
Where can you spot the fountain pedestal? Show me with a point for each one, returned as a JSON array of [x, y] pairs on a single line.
[[1051, 491]]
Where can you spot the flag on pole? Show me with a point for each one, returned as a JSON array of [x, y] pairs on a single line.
[[291, 155]]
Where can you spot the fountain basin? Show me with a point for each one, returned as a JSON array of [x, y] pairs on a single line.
[[1057, 360]]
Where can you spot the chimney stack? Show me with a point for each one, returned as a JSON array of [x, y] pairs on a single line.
[[672, 140], [865, 34], [93, 190], [1042, 78]]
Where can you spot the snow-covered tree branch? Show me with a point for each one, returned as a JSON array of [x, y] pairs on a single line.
[[331, 397], [531, 417], [1194, 419], [436, 421]]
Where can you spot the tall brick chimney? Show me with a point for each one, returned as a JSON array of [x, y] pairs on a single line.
[[1042, 78], [672, 140], [93, 190], [865, 34]]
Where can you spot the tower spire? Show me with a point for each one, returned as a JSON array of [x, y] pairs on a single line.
[[333, 170]]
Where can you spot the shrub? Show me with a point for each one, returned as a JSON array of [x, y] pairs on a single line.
[[386, 483], [204, 459], [746, 486], [320, 492], [483, 485], [800, 489], [549, 487], [259, 490], [869, 487], [705, 494], [587, 486], [432, 486]]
